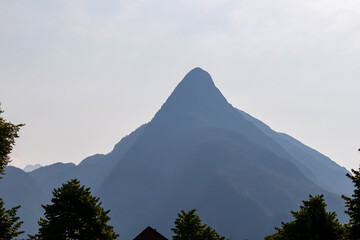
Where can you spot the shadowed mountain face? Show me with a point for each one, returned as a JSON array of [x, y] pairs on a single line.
[[200, 152], [19, 188], [317, 167]]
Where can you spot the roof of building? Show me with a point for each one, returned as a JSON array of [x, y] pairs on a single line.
[[150, 234]]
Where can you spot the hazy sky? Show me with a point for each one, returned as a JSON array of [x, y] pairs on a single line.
[[83, 74]]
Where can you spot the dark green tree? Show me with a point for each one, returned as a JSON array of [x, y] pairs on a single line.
[[312, 222], [75, 214], [188, 227], [9, 222], [8, 133], [353, 207]]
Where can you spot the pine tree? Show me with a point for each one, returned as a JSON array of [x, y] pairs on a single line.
[[9, 222], [188, 227], [353, 207], [74, 214], [312, 222]]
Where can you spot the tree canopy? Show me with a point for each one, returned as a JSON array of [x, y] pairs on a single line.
[[312, 222], [353, 207], [8, 133], [75, 214], [188, 226], [9, 222]]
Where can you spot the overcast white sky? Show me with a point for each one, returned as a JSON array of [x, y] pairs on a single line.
[[83, 74]]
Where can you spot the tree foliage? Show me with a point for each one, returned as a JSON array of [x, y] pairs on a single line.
[[75, 214], [8, 133], [312, 222], [188, 227], [9, 222], [353, 207]]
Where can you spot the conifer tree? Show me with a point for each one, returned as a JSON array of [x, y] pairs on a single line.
[[188, 227], [353, 207], [9, 222], [312, 222], [74, 214]]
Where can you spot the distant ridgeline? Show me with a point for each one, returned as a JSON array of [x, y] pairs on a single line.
[[197, 152]]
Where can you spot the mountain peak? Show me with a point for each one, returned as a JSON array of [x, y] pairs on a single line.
[[196, 93], [198, 78], [30, 168]]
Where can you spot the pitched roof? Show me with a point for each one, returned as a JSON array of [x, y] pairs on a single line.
[[150, 234]]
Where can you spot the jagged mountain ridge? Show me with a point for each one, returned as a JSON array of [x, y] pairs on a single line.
[[200, 152]]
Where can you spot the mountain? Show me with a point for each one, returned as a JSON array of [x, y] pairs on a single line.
[[30, 168], [19, 188], [319, 168], [200, 152]]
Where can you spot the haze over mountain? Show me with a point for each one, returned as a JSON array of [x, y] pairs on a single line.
[[197, 152], [29, 167]]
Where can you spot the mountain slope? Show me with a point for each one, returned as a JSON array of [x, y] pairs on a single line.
[[19, 188], [317, 167], [198, 152]]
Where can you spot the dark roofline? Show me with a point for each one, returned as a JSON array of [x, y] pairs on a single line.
[[152, 230]]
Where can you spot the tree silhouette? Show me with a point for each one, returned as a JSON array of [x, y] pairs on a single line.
[[74, 214], [9, 222], [8, 133], [312, 222], [353, 207], [188, 227]]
